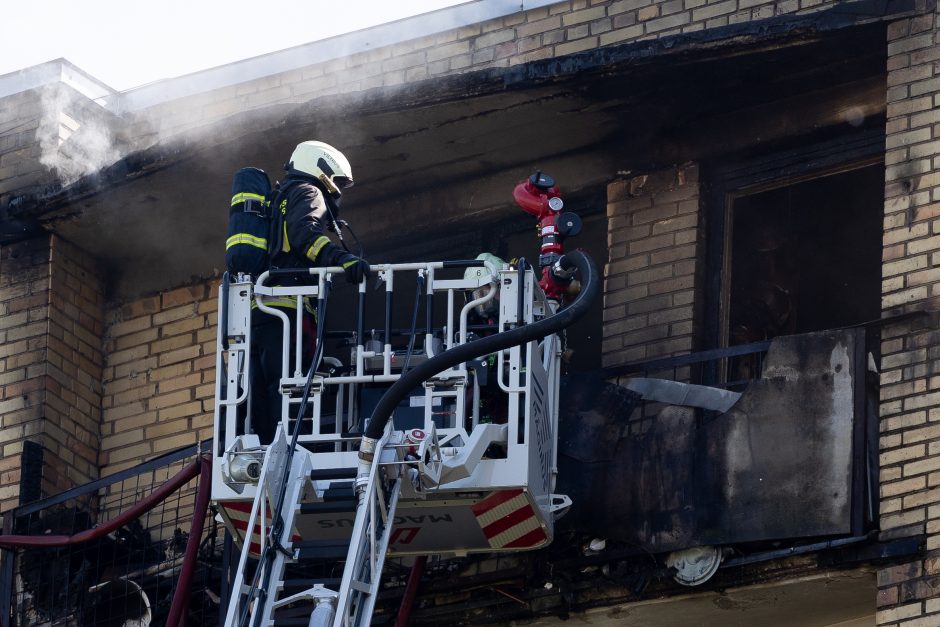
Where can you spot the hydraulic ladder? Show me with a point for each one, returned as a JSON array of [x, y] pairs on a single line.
[[347, 602]]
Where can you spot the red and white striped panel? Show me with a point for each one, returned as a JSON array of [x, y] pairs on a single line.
[[239, 512], [508, 520]]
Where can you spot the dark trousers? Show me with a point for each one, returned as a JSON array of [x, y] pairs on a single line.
[[265, 367]]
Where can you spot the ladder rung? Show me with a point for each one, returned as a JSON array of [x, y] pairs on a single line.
[[251, 591], [327, 582], [320, 474], [329, 507], [321, 549], [320, 542], [339, 491]]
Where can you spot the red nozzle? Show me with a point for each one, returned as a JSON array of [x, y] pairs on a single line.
[[534, 198]]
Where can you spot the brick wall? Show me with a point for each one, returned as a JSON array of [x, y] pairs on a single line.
[[51, 311], [907, 594], [159, 375], [541, 33], [24, 298], [73, 368], [655, 247], [95, 396], [19, 146], [910, 405]]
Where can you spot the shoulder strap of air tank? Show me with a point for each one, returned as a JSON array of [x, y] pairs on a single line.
[[278, 194]]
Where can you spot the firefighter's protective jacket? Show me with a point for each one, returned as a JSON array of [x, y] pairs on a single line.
[[305, 218]]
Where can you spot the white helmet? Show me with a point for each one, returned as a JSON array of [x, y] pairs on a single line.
[[324, 163]]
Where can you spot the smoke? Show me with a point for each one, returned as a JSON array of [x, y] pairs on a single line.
[[74, 138]]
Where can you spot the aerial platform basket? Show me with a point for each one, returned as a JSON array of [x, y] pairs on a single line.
[[465, 463], [475, 472]]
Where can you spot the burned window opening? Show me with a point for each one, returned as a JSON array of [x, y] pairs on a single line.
[[802, 257], [735, 176], [806, 257]]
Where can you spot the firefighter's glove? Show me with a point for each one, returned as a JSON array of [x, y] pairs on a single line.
[[355, 267]]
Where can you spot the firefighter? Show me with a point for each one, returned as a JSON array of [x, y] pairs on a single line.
[[317, 174], [493, 401]]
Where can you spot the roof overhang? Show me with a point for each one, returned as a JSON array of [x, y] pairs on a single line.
[[448, 151]]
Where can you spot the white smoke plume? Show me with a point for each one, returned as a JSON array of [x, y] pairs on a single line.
[[73, 133]]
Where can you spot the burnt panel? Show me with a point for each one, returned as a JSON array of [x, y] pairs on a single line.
[[787, 443], [778, 464]]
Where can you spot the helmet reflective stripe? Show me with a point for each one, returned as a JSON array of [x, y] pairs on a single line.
[[246, 238]]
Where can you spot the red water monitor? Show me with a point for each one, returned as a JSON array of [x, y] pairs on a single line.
[[539, 196]]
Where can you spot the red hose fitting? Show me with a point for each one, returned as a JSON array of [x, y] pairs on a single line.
[[538, 195]]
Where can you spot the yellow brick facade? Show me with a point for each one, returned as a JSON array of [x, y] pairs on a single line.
[[52, 304], [910, 392], [106, 386], [159, 375]]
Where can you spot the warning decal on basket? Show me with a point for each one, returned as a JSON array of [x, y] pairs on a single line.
[[508, 520], [239, 512]]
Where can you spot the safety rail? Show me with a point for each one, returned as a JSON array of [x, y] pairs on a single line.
[[336, 409], [66, 565], [732, 367], [426, 273], [741, 363]]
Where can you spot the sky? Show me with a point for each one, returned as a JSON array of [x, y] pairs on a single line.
[[127, 44]]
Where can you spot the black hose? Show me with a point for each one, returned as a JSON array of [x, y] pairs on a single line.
[[277, 527], [414, 322], [590, 287]]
